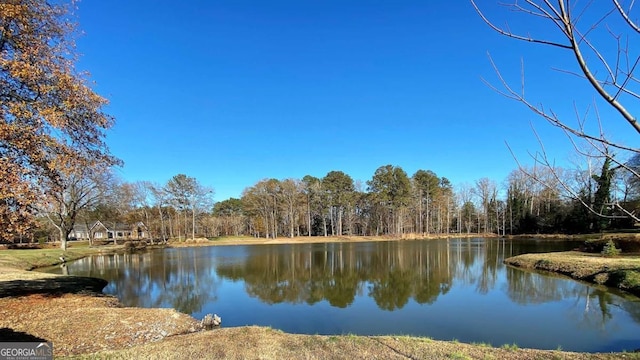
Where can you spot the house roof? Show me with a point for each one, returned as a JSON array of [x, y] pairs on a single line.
[[109, 226]]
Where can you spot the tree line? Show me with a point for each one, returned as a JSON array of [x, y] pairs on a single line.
[[393, 203], [390, 203]]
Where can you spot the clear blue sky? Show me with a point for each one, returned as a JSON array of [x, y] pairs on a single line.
[[234, 91]]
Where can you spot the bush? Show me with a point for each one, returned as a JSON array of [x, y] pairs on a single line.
[[610, 249]]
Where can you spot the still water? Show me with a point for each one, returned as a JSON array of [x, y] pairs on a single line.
[[444, 289]]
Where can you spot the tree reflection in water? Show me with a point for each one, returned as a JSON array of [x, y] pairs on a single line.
[[392, 272], [176, 278], [439, 288]]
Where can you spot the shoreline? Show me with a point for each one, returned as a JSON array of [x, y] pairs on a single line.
[[247, 240], [621, 273], [88, 323]]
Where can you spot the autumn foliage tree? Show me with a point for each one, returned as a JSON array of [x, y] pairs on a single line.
[[50, 119]]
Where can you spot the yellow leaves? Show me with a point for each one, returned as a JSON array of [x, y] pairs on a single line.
[[27, 73], [13, 10], [50, 120]]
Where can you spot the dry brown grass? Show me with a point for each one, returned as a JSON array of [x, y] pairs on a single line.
[[265, 343], [78, 324], [248, 240]]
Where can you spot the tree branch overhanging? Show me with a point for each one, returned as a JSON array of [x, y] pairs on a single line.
[[561, 17]]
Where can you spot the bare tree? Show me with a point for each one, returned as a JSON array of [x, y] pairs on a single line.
[[596, 37], [159, 196], [290, 195], [486, 190], [71, 194], [186, 193]]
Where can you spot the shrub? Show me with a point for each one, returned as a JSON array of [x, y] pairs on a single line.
[[610, 250]]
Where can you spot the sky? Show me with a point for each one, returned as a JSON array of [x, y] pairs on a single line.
[[234, 91]]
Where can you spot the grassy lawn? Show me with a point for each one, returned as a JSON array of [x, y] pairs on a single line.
[[28, 259]]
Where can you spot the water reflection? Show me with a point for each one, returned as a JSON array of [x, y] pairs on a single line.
[[180, 279], [389, 272], [444, 289]]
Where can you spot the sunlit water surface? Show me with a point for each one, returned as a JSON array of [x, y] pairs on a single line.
[[444, 289]]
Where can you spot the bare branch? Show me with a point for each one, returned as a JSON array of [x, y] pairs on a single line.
[[550, 117], [592, 79], [514, 36], [625, 16]]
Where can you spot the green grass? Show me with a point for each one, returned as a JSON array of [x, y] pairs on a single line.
[[459, 356], [631, 278], [28, 259], [482, 344], [512, 347], [610, 249], [625, 279], [631, 354]]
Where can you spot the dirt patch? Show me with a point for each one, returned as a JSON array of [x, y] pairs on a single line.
[[80, 324]]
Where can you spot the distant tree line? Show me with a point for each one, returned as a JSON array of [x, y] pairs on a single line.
[[391, 203]]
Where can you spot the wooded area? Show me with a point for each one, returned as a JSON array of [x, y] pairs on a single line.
[[390, 203]]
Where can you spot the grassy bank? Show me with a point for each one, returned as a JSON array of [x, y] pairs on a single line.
[[618, 272], [29, 259]]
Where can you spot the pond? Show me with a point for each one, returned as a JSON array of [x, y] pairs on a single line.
[[444, 289]]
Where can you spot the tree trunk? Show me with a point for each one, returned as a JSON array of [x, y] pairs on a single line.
[[427, 224], [193, 223], [324, 223], [64, 236], [309, 215], [162, 229], [333, 225]]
